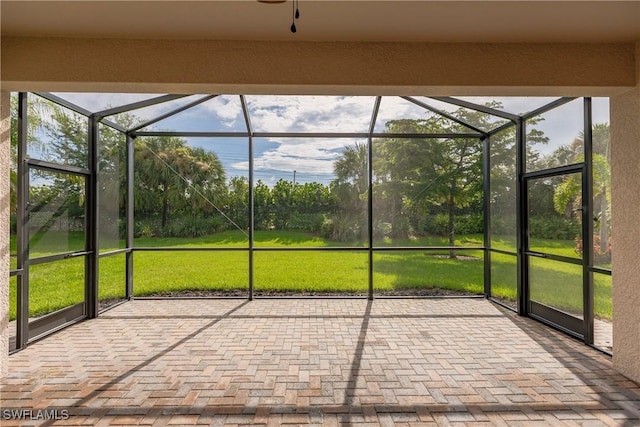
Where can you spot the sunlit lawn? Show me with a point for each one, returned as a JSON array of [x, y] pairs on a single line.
[[305, 271], [59, 284]]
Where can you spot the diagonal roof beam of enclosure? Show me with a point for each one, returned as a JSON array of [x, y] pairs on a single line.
[[550, 106], [477, 107], [374, 115], [63, 102], [73, 107], [446, 115], [113, 125], [173, 112], [137, 105], [499, 129], [547, 107], [245, 113]]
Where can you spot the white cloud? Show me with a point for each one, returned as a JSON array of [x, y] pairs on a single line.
[[393, 107], [313, 156], [227, 109], [280, 113], [276, 162], [317, 148]]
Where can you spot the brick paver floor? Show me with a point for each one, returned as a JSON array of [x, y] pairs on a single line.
[[447, 361]]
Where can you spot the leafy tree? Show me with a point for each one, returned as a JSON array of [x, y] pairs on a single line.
[[176, 178], [352, 169], [54, 134], [287, 206], [350, 189], [533, 158], [601, 161], [282, 199], [567, 195], [237, 204], [417, 172], [262, 202], [503, 178], [312, 202], [112, 181], [312, 197], [68, 137], [57, 202], [417, 177], [37, 108]]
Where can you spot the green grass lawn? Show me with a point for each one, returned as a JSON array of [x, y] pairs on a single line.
[[59, 284], [306, 271]]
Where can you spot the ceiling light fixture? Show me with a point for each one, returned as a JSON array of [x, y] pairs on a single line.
[[295, 11]]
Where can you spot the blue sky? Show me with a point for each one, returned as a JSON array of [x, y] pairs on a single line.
[[311, 159]]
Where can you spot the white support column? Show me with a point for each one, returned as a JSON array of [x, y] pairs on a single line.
[[625, 167], [5, 144]]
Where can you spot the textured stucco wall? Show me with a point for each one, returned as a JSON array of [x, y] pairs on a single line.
[[625, 159], [5, 142], [345, 68]]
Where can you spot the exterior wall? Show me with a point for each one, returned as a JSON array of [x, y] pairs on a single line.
[[5, 143], [346, 68], [625, 165]]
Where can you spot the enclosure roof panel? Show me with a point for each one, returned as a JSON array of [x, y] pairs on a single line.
[[310, 113], [303, 114], [95, 102]]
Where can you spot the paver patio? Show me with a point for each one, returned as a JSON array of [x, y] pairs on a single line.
[[447, 361]]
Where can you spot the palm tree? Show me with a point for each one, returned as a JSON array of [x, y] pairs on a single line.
[[350, 188], [176, 177], [37, 110], [567, 193], [601, 160], [352, 169]]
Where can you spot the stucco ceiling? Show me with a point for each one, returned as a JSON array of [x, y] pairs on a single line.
[[325, 20]]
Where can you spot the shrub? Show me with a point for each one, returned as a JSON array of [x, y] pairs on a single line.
[[311, 222], [381, 229], [503, 226], [342, 228], [469, 224], [185, 226], [401, 228], [438, 225], [143, 229], [553, 227], [194, 226], [600, 255]]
